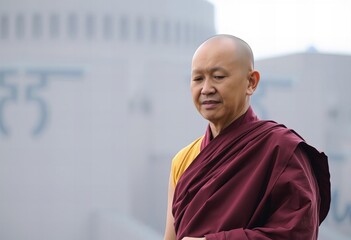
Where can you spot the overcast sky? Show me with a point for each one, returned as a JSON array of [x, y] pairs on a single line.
[[276, 27]]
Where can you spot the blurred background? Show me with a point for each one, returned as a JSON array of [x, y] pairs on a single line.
[[95, 102]]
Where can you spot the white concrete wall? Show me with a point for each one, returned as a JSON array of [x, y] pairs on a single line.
[[90, 119]]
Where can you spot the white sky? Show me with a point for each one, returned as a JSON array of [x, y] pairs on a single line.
[[276, 27]]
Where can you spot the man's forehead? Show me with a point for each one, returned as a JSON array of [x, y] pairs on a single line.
[[213, 58]]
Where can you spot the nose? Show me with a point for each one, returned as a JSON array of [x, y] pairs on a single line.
[[207, 87]]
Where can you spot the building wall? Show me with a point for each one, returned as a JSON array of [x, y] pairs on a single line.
[[94, 103]]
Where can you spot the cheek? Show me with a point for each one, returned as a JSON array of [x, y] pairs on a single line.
[[195, 93], [235, 98]]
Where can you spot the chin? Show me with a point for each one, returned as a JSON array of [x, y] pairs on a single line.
[[209, 118]]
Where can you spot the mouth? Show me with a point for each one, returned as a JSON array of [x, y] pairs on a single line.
[[208, 104]]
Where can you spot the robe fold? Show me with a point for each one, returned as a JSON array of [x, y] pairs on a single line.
[[255, 180]]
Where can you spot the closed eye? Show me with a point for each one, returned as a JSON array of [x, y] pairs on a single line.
[[197, 79], [218, 77]]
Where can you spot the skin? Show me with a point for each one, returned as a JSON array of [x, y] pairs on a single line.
[[222, 80]]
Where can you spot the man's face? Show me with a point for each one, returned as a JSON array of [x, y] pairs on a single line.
[[219, 83]]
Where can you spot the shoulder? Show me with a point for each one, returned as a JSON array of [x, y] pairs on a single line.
[[189, 148], [282, 135], [277, 141], [183, 159]]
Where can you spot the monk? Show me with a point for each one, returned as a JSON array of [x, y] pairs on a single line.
[[245, 178]]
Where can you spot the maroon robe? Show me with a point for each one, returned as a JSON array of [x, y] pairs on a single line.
[[255, 180]]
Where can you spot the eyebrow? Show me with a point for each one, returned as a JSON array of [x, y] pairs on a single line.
[[213, 69]]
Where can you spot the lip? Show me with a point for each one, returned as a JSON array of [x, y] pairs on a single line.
[[210, 104], [209, 101]]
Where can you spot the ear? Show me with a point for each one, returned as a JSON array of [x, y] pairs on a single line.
[[253, 81]]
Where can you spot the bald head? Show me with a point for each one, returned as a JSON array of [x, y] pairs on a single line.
[[236, 47]]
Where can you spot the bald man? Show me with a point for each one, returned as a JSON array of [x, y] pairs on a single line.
[[245, 178]]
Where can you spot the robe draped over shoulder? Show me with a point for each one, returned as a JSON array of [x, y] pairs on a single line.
[[255, 180]]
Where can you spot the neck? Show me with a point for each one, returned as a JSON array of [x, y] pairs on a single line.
[[217, 128]]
